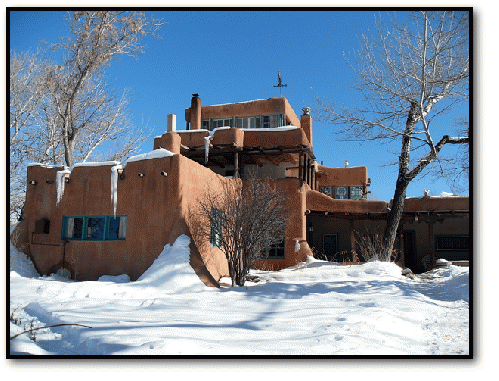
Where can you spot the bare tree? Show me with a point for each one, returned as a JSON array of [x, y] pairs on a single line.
[[96, 37], [246, 218], [408, 75], [62, 113]]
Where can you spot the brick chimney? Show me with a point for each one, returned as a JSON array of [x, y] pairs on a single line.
[[195, 112], [306, 124]]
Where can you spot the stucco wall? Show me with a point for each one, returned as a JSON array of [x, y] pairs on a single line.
[[353, 176]]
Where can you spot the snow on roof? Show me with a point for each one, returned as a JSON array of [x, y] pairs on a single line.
[[277, 129], [225, 104], [154, 154], [200, 130], [95, 163], [45, 165]]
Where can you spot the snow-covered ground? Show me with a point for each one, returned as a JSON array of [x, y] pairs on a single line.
[[315, 308]]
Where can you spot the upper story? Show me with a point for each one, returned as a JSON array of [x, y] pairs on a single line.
[[263, 137]]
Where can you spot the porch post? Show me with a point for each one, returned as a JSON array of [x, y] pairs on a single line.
[[236, 165]]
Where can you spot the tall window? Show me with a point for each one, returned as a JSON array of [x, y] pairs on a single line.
[[94, 228], [277, 250], [216, 227]]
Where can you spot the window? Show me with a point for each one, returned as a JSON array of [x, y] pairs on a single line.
[[341, 193], [330, 245], [261, 121], [225, 122], [94, 228], [216, 227], [42, 226], [452, 243], [328, 191], [355, 193], [277, 250], [205, 124]]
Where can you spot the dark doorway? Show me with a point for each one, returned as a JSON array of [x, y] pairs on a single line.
[[410, 253], [330, 246]]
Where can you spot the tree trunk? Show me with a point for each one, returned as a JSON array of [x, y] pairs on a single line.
[[397, 209]]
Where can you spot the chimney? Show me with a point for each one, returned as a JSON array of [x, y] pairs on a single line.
[[195, 112], [306, 124], [171, 123]]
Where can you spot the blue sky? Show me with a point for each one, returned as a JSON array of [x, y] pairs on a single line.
[[235, 56]]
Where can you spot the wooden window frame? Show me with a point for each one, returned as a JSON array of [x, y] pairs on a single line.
[[84, 233], [451, 236]]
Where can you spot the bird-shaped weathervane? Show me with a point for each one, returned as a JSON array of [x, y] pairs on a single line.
[[279, 83]]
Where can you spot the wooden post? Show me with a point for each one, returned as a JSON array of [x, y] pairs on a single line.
[[300, 169], [431, 240], [236, 165], [351, 228]]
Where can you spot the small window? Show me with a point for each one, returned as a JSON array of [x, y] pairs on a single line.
[[217, 123], [341, 193], [96, 228], [277, 250], [74, 227], [452, 243], [356, 193], [328, 191], [216, 227], [42, 226], [117, 227]]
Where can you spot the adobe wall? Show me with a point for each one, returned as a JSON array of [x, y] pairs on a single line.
[[89, 193], [261, 138], [353, 176], [317, 201], [252, 108], [425, 244], [436, 203], [295, 228], [195, 179]]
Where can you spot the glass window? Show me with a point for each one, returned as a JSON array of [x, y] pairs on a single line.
[[452, 243], [117, 227], [96, 228], [74, 228], [328, 191], [205, 124], [216, 227], [341, 193], [355, 193], [226, 122]]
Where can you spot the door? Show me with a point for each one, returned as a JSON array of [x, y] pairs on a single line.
[[410, 253], [330, 246]]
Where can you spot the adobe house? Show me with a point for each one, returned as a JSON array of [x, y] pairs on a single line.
[[115, 218]]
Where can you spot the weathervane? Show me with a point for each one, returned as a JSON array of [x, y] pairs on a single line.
[[279, 83]]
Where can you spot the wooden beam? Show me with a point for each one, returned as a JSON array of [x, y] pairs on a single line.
[[258, 162], [273, 160]]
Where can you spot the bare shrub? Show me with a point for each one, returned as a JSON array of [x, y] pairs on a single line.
[[245, 219], [371, 247]]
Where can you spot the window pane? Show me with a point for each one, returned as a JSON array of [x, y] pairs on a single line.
[[117, 227], [96, 228], [74, 227], [341, 193], [327, 191], [355, 193], [216, 227]]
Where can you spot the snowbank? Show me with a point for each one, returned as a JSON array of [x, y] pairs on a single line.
[[171, 271], [20, 264]]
